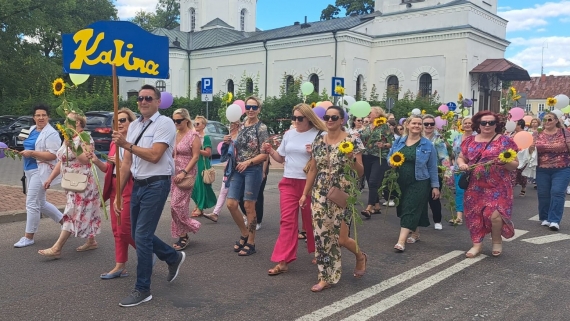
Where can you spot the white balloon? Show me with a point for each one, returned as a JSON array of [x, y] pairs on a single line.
[[558, 113], [561, 101], [510, 126], [233, 113], [347, 101], [416, 111]]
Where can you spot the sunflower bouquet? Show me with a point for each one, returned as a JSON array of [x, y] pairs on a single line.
[[504, 157], [390, 181], [353, 191]]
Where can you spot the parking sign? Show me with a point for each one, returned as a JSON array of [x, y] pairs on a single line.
[[207, 89], [337, 81]]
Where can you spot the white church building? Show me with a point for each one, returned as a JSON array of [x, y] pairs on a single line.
[[448, 46]]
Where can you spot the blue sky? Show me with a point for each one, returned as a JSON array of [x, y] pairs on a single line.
[[532, 25]]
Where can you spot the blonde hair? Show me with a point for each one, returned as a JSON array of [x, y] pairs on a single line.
[[379, 111], [257, 100], [464, 119], [185, 114], [409, 120], [78, 118], [129, 113], [203, 119], [313, 119]]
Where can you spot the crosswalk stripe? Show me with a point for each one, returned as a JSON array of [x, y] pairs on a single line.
[[566, 203], [518, 233], [378, 288], [547, 238], [534, 218], [409, 292]]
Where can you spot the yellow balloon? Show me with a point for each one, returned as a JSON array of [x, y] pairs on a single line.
[[78, 79], [465, 112]]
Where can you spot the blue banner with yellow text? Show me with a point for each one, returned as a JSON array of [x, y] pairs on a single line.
[[134, 51]]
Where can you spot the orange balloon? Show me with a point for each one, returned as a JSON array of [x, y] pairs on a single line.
[[523, 139], [527, 120], [326, 104]]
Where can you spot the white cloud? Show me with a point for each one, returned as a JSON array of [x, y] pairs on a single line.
[[128, 8], [541, 30], [529, 56], [537, 16]]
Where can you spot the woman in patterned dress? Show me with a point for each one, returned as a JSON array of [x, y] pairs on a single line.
[[82, 215], [331, 222], [488, 200], [203, 194], [186, 155]]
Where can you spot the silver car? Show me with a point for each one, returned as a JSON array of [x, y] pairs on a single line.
[[216, 131]]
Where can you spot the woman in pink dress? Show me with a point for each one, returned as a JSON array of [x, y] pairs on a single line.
[[186, 155]]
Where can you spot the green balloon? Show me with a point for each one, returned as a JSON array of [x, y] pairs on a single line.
[[307, 88], [566, 109], [465, 112], [360, 109]]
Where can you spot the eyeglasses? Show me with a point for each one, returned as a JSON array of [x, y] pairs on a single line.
[[41, 116], [429, 124], [146, 98], [333, 117], [178, 121], [490, 123], [298, 118], [122, 120], [252, 107], [548, 119]]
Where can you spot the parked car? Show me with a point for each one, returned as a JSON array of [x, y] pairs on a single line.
[[100, 126], [18, 138], [8, 132], [216, 131], [6, 120]]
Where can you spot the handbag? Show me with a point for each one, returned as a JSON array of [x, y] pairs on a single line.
[[208, 175], [463, 182], [188, 181], [74, 182], [335, 194]]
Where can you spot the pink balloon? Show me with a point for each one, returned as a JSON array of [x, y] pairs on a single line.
[[516, 113], [240, 103], [523, 139], [439, 123], [220, 148], [326, 104], [443, 108]]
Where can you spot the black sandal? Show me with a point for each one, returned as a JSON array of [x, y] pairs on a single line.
[[247, 250], [366, 213], [377, 211], [239, 244], [302, 235], [181, 244]]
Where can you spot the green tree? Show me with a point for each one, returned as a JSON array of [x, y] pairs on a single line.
[[166, 16], [350, 7]]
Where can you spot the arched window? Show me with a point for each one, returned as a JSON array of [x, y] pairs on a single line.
[[289, 84], [242, 19], [161, 85], [314, 79], [192, 19], [248, 86], [230, 85], [393, 83], [199, 89], [359, 83], [425, 85]]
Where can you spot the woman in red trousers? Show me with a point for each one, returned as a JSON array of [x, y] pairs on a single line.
[[294, 152], [121, 232]]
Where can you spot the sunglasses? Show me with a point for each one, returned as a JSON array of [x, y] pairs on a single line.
[[178, 121], [298, 118], [252, 107], [490, 123], [333, 117], [146, 98], [429, 124], [122, 120], [548, 119], [358, 120]]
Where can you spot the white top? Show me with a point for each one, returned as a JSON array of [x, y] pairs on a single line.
[[161, 130], [295, 152], [48, 141]]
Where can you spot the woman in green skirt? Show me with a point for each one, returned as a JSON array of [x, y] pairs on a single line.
[[203, 194]]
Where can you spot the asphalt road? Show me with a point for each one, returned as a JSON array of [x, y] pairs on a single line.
[[431, 280]]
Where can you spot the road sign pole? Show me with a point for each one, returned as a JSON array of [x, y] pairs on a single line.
[[207, 110]]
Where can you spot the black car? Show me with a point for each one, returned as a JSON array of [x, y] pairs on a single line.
[[100, 126], [9, 132], [6, 120]]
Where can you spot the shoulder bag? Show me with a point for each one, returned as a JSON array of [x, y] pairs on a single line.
[[463, 182], [335, 194], [208, 175], [74, 182], [188, 181]]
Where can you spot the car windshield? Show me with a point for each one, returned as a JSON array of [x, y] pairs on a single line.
[[96, 120], [4, 121]]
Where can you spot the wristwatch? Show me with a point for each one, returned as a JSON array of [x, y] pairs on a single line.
[[184, 171]]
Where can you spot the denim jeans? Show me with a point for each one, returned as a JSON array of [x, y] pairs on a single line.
[[551, 183], [246, 184], [147, 203]]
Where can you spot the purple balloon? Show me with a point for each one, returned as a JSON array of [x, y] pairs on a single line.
[[345, 117], [320, 111], [402, 120], [166, 100], [467, 103], [2, 146]]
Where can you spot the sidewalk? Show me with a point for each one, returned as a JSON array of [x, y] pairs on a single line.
[[13, 204]]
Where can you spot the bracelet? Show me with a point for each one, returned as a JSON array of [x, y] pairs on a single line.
[[184, 171], [131, 148]]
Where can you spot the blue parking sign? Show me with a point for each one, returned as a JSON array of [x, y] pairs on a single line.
[[337, 81], [451, 105], [207, 85]]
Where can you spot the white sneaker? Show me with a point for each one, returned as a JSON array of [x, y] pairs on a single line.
[[258, 227], [545, 223], [390, 203], [554, 226], [568, 190], [438, 226], [23, 242]]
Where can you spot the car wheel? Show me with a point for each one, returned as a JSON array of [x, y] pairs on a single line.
[[5, 139]]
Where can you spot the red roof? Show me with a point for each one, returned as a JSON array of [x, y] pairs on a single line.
[[543, 87]]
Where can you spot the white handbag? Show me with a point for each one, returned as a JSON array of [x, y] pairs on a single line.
[[74, 182]]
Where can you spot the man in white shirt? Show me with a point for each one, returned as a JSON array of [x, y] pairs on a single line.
[[148, 158]]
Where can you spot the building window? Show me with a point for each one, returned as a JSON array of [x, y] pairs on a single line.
[[359, 83], [425, 85], [393, 83], [242, 19], [289, 84], [199, 89], [192, 19], [528, 107], [540, 107], [314, 79], [248, 86], [161, 85], [230, 85]]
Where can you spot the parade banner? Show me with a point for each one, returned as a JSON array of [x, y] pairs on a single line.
[[134, 51]]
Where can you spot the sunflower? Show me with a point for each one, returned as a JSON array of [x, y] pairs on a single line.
[[339, 90], [397, 159], [58, 86], [460, 129], [551, 101], [460, 97], [229, 97], [508, 156], [423, 111], [513, 91], [346, 147], [313, 104], [516, 97], [379, 121], [62, 131]]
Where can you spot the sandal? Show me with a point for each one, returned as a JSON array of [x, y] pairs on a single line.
[[497, 249], [247, 250], [366, 213], [212, 217], [473, 252], [522, 193], [197, 213], [399, 248], [360, 273], [454, 222], [277, 270], [413, 238], [318, 287], [181, 244], [87, 247], [50, 253], [377, 211], [239, 245], [302, 235]]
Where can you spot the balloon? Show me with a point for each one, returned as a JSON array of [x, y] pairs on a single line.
[[467, 103], [307, 88], [566, 109], [78, 79], [439, 123], [558, 113], [360, 109], [347, 101], [233, 113], [220, 148], [325, 104], [561, 101], [320, 111], [416, 111], [402, 120], [465, 112], [527, 120], [510, 126], [240, 103], [516, 113], [318, 103], [443, 108], [166, 100], [523, 139], [2, 145]]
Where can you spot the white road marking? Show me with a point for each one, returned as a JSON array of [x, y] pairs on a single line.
[[378, 288], [566, 203], [409, 292], [518, 233], [534, 218], [548, 238]]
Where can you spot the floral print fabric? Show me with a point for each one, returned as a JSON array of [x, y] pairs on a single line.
[[552, 149], [249, 141], [380, 134], [327, 216]]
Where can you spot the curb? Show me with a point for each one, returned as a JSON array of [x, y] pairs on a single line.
[[19, 215]]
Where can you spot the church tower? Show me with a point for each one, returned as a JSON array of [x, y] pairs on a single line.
[[195, 15]]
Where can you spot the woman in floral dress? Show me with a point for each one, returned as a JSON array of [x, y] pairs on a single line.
[[82, 215], [331, 222], [488, 200], [186, 155]]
